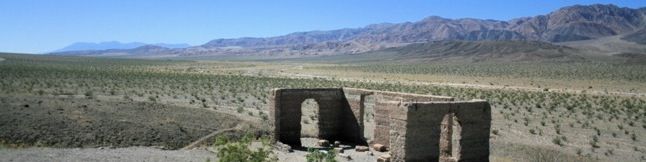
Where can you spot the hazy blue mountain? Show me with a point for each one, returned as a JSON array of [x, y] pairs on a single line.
[[168, 45], [141, 50], [86, 46]]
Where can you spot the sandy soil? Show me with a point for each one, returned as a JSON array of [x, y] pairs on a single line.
[[104, 154]]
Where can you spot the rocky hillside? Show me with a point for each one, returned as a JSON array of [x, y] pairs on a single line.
[[566, 24], [469, 51], [488, 50], [580, 23], [637, 37]]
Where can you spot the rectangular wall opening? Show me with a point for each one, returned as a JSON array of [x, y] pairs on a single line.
[[368, 123], [310, 118]]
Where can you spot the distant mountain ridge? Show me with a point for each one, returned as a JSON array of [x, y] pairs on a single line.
[[566, 24], [85, 46], [572, 23]]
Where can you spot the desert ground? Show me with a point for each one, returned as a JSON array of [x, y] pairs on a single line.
[[60, 108]]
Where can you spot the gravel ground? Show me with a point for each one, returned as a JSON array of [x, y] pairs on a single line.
[[99, 154]]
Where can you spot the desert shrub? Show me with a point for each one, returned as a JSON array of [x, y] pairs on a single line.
[[557, 141], [315, 155], [543, 155], [594, 142], [238, 150], [610, 152], [263, 116], [152, 98], [532, 131], [559, 71], [89, 94], [40, 92]]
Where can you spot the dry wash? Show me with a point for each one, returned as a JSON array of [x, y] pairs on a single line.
[[413, 127]]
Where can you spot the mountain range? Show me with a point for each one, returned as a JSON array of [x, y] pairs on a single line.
[[577, 23], [87, 46]]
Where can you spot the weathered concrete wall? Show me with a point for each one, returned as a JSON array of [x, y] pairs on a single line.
[[417, 128], [286, 112]]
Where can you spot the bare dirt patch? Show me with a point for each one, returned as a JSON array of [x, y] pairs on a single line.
[[79, 122]]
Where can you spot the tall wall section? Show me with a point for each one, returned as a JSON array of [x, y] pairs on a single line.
[[286, 113], [424, 132]]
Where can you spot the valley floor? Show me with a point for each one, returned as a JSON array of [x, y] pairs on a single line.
[[70, 103]]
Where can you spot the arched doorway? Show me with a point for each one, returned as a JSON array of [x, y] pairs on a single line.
[[450, 138]]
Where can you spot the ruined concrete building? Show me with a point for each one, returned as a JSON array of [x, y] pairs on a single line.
[[413, 127]]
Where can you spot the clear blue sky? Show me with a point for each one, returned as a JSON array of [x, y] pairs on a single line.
[[44, 25]]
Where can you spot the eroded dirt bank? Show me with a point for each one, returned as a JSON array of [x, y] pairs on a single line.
[[56, 121]]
